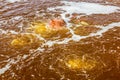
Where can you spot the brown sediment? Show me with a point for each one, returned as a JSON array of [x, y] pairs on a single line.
[[97, 19], [85, 30], [102, 52]]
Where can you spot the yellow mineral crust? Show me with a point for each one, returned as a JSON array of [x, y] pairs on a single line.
[[80, 64], [46, 31], [24, 40], [41, 29]]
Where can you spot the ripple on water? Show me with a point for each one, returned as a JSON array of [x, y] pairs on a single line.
[[71, 62]]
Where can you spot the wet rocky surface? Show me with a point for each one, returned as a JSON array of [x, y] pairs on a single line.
[[29, 63]]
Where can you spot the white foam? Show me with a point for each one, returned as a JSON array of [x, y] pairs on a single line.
[[13, 32], [7, 66], [105, 29], [77, 38], [10, 62], [98, 33], [3, 31], [12, 1], [83, 8], [7, 31], [86, 8], [4, 69], [50, 43], [25, 56]]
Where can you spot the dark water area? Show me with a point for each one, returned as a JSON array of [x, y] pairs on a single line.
[[90, 58]]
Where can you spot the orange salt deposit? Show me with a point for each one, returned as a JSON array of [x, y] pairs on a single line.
[[57, 23]]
